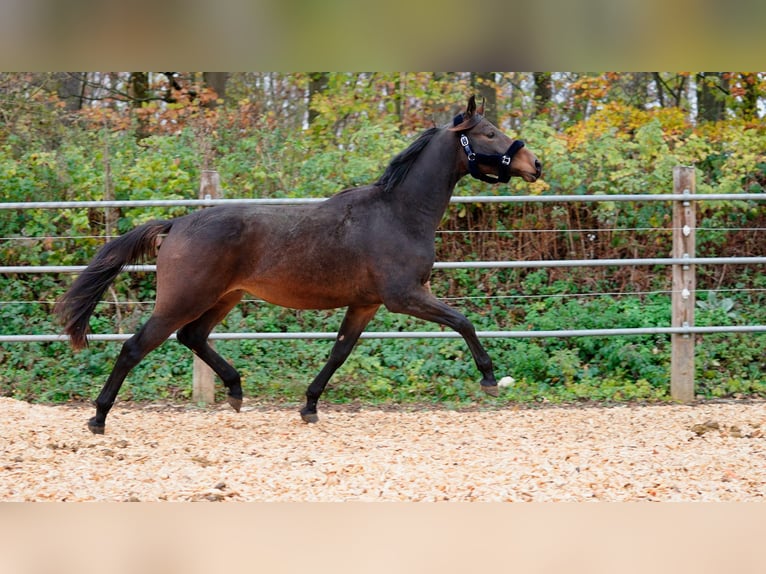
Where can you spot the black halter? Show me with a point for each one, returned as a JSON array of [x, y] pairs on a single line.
[[501, 161]]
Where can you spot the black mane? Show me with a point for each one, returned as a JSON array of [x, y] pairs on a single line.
[[401, 164]]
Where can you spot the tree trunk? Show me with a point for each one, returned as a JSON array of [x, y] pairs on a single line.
[[543, 92], [70, 89], [676, 92], [637, 89], [485, 84], [318, 82], [217, 82], [398, 97], [659, 88], [711, 92], [138, 90], [750, 97]]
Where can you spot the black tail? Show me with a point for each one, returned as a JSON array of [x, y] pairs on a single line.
[[76, 306]]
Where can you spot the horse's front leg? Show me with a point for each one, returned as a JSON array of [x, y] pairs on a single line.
[[354, 322], [420, 303]]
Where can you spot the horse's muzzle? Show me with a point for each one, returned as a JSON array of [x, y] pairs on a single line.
[[533, 177]]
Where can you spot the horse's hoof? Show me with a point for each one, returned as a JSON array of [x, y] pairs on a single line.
[[491, 390], [95, 428], [235, 403], [310, 417]]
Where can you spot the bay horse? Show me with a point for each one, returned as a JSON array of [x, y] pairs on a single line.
[[361, 248]]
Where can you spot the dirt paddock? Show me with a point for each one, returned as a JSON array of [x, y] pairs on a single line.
[[711, 451]]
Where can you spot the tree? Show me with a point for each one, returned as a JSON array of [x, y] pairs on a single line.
[[543, 92], [138, 91], [216, 81], [674, 87], [318, 82], [71, 89], [712, 89], [485, 84], [749, 92], [632, 88]]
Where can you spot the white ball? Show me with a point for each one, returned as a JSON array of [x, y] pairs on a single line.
[[506, 382]]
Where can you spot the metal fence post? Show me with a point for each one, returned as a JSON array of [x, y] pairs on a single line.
[[684, 284], [203, 377]]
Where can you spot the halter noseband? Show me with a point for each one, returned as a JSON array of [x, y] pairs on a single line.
[[501, 161]]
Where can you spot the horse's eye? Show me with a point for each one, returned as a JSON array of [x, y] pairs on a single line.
[[491, 135]]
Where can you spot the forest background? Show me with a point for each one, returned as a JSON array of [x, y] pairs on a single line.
[[148, 135]]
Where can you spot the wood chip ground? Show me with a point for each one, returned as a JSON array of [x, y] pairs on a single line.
[[704, 452]]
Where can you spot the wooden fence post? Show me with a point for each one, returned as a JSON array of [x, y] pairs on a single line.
[[684, 285], [203, 377]]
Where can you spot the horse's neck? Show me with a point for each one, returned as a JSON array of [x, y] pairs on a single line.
[[425, 194]]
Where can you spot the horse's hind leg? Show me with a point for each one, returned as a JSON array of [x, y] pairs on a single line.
[[354, 322], [150, 336], [194, 335]]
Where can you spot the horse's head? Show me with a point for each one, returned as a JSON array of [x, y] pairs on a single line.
[[490, 155]]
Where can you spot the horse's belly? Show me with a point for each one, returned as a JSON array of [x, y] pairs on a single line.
[[313, 295], [303, 275], [298, 301]]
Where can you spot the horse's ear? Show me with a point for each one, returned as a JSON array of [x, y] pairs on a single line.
[[480, 109], [467, 119], [471, 109]]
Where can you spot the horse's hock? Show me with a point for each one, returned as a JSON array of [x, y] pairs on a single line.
[[264, 453]]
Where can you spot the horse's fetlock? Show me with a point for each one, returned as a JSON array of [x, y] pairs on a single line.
[[103, 406]]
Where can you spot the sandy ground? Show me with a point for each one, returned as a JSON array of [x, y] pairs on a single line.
[[705, 452]]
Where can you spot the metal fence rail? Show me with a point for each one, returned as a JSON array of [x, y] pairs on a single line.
[[639, 197], [461, 264], [288, 335]]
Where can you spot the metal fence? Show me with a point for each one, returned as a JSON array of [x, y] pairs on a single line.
[[685, 261], [691, 329]]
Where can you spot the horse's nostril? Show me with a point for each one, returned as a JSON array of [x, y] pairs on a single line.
[[538, 166]]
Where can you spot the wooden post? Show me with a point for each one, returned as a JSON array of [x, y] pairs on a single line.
[[684, 284], [203, 377]]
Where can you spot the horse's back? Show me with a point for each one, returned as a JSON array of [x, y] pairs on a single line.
[[303, 256]]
